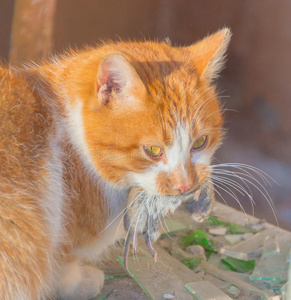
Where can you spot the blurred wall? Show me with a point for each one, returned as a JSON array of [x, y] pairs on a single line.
[[6, 15], [258, 68]]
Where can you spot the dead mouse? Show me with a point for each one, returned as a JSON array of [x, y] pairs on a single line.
[[145, 213], [201, 205]]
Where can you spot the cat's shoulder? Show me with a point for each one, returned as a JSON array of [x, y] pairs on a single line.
[[25, 119]]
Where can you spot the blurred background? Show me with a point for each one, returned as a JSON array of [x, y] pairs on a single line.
[[255, 85]]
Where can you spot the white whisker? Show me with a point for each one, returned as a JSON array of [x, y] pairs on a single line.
[[228, 191], [238, 188], [168, 230], [248, 179], [116, 217], [210, 183]]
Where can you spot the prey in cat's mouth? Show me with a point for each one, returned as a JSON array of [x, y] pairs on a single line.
[[145, 213]]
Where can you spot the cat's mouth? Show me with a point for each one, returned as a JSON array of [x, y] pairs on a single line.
[[191, 194], [192, 191], [144, 212]]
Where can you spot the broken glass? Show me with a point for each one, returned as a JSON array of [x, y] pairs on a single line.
[[273, 264], [245, 249], [198, 237], [166, 276], [206, 291], [233, 279], [238, 265]]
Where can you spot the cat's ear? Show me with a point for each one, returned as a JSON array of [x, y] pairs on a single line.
[[117, 78], [209, 54]]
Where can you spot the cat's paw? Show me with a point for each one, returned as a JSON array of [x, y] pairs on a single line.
[[80, 283], [91, 284]]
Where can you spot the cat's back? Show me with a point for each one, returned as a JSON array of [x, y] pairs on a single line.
[[24, 128]]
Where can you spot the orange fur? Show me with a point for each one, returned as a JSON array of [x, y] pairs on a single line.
[[46, 155]]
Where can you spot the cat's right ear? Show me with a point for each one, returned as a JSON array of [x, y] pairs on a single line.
[[209, 54], [118, 81]]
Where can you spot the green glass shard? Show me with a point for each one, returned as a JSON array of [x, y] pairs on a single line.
[[215, 259], [198, 237], [215, 221], [233, 227], [191, 262], [116, 276], [107, 295], [236, 228], [205, 291], [238, 265]]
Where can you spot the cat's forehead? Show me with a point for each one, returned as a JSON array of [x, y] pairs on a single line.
[[191, 109], [177, 125]]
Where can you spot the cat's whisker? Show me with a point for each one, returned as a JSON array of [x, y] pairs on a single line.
[[166, 225], [236, 175], [149, 212], [210, 183], [162, 226], [118, 227], [122, 220], [239, 174], [134, 241], [138, 218], [203, 121], [206, 101], [228, 191], [129, 232], [211, 98], [167, 228], [242, 167], [237, 187], [226, 187], [197, 117], [123, 211], [264, 193], [247, 177]]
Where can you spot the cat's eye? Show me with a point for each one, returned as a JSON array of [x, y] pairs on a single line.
[[153, 151], [199, 143]]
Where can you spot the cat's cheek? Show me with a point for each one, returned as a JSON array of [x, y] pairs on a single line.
[[202, 157], [146, 180], [165, 185]]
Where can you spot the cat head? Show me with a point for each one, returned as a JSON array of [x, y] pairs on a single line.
[[150, 113]]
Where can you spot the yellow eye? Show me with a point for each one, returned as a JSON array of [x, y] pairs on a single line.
[[152, 151], [199, 143]]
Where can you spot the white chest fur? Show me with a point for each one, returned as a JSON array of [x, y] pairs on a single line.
[[114, 229]]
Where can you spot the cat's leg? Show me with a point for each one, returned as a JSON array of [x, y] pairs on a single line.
[[79, 282], [25, 251]]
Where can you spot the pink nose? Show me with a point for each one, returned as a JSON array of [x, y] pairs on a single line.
[[184, 188]]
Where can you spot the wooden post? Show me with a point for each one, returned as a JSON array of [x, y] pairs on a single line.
[[32, 30]]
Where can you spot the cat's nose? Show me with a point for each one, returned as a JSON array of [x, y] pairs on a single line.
[[184, 188]]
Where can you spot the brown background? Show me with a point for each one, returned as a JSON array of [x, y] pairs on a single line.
[[256, 82]]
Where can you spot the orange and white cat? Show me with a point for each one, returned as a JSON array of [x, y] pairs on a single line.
[[77, 134]]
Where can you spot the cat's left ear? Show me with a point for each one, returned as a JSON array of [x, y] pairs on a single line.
[[209, 54], [117, 80]]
